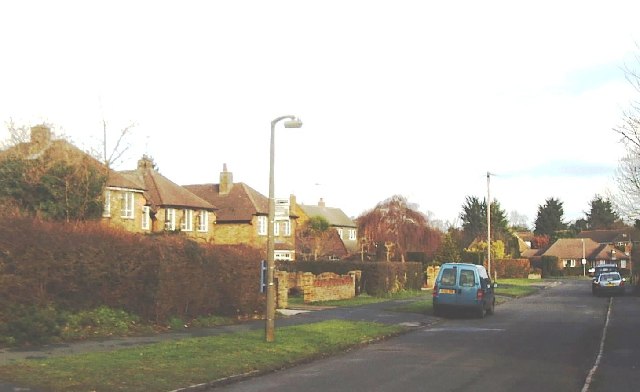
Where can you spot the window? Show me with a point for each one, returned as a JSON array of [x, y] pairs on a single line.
[[467, 278], [262, 225], [107, 204], [352, 234], [623, 263], [340, 233], [287, 228], [448, 277], [127, 205], [276, 228], [170, 219], [187, 220], [569, 263], [146, 218], [203, 221]]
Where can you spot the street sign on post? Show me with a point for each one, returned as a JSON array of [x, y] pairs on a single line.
[[263, 276]]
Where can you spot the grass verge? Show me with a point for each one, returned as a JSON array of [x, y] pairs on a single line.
[[362, 299], [516, 288], [176, 364]]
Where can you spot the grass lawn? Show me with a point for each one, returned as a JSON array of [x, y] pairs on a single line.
[[170, 365], [516, 288]]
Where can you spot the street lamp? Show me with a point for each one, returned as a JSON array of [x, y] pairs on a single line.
[[292, 122]]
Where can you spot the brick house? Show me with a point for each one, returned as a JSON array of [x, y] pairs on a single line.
[[242, 216], [339, 221], [166, 206]]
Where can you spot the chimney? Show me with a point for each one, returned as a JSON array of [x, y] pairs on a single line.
[[146, 162], [226, 180], [321, 203], [40, 136]]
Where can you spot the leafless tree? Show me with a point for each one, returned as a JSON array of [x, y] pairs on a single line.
[[120, 147], [627, 196]]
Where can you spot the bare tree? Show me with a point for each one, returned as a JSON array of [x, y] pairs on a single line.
[[627, 176], [17, 134], [119, 148]]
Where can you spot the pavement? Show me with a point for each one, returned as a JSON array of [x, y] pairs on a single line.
[[295, 315]]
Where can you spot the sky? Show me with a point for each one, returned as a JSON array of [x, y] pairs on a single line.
[[412, 98]]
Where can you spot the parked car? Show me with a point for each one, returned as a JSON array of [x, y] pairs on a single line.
[[597, 270], [608, 282], [463, 286]]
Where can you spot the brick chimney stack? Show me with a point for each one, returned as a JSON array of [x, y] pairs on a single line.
[[226, 180], [321, 203], [40, 135]]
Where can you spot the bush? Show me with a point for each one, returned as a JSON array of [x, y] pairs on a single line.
[[31, 325], [100, 322]]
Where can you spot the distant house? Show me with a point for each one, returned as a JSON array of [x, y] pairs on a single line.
[[570, 252], [167, 207], [346, 228], [242, 216], [123, 195]]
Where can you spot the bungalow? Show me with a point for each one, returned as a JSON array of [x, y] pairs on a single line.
[[167, 207], [571, 251], [242, 216]]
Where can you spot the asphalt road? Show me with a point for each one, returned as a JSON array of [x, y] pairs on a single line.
[[552, 341]]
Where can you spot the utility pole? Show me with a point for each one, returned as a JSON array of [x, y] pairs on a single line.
[[488, 224]]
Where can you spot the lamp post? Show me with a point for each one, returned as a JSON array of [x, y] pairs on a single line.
[[292, 122], [488, 225]]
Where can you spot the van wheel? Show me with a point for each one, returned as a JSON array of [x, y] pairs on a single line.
[[437, 311], [492, 308]]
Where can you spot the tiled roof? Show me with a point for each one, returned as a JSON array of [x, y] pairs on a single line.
[[62, 149], [335, 216], [611, 236], [160, 191], [571, 248], [239, 205]]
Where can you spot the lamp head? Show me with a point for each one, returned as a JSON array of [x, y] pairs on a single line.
[[293, 123]]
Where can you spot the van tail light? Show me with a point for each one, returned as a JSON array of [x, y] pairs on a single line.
[[622, 283], [480, 294], [435, 290]]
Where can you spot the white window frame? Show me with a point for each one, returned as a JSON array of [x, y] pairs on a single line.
[[203, 221], [287, 228], [170, 219], [340, 233], [276, 228], [262, 225], [352, 235], [128, 201], [146, 218], [187, 220], [106, 212]]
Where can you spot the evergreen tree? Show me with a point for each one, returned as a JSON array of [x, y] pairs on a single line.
[[550, 219], [601, 215]]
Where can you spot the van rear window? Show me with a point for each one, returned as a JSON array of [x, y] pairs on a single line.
[[448, 277]]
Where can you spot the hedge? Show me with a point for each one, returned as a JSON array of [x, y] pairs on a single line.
[[84, 266]]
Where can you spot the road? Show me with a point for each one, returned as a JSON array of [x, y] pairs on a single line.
[[546, 342]]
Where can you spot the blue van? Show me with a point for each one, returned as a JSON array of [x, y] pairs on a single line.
[[463, 286]]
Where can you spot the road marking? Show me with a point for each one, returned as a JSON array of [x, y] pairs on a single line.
[[593, 370]]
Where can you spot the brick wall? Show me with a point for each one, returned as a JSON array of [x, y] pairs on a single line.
[[328, 286]]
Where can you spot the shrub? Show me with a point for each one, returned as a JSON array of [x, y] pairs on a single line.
[[30, 324], [100, 322]]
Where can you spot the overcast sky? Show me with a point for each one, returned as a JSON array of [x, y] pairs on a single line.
[[417, 98]]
